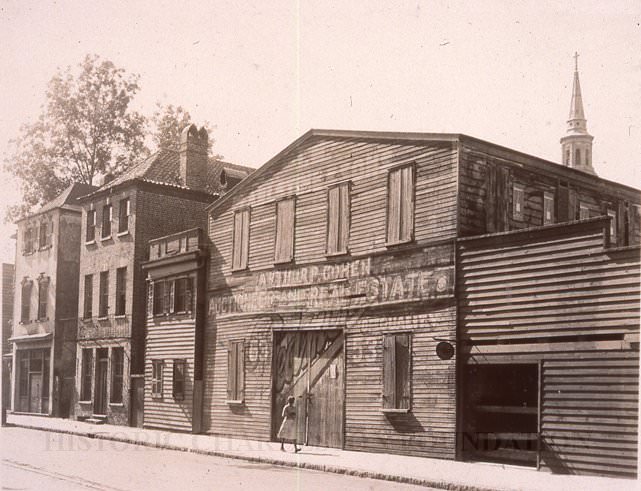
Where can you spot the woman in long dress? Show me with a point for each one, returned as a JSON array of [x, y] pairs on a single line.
[[287, 429]]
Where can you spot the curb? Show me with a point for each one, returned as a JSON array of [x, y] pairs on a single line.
[[265, 460]]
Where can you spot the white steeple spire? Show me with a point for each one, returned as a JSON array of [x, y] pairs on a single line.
[[576, 146]]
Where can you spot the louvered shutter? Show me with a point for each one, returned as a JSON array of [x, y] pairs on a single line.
[[389, 372]]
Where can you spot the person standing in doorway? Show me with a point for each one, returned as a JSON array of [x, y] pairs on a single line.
[[287, 429]]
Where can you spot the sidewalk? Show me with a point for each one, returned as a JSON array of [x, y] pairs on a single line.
[[436, 473]]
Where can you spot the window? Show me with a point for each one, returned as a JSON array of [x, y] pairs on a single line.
[[584, 211], [396, 371], [156, 378], [178, 386], [88, 312], [121, 290], [85, 376], [577, 157], [45, 235], [240, 248], [172, 296], [117, 365], [338, 218], [182, 295], [106, 221], [28, 239], [236, 371], [25, 300], [23, 376], [518, 201], [548, 207], [285, 213], [123, 216], [159, 297], [567, 157], [400, 205], [91, 226], [613, 226], [43, 294], [103, 299]]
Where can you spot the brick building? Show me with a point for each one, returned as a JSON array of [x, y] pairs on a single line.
[[164, 194], [45, 315], [6, 317]]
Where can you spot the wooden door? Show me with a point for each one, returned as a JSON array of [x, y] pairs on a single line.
[[310, 366], [100, 401], [35, 392]]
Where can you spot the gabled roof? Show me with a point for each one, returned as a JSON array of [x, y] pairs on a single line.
[[388, 136], [67, 199]]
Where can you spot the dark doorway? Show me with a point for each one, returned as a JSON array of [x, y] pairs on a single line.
[[500, 419], [137, 400], [102, 365]]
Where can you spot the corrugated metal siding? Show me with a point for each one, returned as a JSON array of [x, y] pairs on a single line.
[[538, 286]]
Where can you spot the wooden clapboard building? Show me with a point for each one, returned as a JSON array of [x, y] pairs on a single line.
[[331, 279], [176, 314], [549, 348]]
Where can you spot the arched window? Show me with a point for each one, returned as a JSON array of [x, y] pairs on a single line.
[[577, 157]]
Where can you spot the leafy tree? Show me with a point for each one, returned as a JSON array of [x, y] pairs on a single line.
[[86, 128], [168, 122]]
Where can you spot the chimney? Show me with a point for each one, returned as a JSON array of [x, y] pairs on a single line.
[[107, 178], [194, 157]]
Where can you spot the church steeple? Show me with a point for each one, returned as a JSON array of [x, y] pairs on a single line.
[[576, 146]]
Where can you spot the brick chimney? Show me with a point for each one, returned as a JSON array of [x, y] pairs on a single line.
[[193, 157]]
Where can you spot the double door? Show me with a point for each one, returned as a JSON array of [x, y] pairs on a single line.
[[309, 365]]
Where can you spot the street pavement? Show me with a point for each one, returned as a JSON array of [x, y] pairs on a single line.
[[39, 460], [435, 473]]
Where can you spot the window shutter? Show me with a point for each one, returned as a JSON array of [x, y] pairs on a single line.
[[166, 297], [285, 231], [389, 372], [490, 198], [407, 203], [333, 219], [150, 298], [172, 296], [244, 258], [635, 224], [237, 241], [231, 372], [189, 306], [393, 206], [503, 193], [240, 360], [402, 371], [343, 237]]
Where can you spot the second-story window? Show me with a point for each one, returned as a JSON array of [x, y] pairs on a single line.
[[91, 226], [103, 300], [43, 295], [123, 215], [25, 300], [121, 290], [240, 240], [518, 201], [285, 215], [88, 306], [45, 235], [548, 207], [613, 226], [106, 221], [29, 240], [400, 205], [338, 218], [172, 296], [584, 211]]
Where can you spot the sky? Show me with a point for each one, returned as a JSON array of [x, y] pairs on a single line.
[[263, 73]]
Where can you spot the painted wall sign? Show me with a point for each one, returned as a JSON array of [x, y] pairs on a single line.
[[421, 275]]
